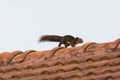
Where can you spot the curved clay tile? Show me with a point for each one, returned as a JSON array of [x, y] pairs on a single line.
[[21, 57], [6, 57], [38, 55], [116, 44], [87, 46]]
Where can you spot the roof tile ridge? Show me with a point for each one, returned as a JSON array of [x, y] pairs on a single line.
[[21, 57], [116, 43], [54, 50], [7, 57], [86, 45]]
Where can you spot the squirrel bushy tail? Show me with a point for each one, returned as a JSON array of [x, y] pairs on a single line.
[[54, 38]]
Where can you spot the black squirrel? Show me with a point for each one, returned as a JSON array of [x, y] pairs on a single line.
[[66, 40]]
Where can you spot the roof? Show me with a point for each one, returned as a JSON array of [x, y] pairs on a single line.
[[91, 61]]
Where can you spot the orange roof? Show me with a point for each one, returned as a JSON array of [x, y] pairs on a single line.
[[91, 61]]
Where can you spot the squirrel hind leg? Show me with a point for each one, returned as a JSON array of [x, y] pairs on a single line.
[[59, 44], [73, 45], [66, 45]]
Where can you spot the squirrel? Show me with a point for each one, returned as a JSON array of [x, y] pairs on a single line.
[[66, 40]]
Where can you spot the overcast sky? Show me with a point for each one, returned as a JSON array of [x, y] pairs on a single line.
[[22, 22]]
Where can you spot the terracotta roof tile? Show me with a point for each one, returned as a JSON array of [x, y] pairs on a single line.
[[21, 57], [6, 57], [91, 61]]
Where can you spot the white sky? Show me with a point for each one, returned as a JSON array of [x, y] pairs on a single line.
[[22, 22]]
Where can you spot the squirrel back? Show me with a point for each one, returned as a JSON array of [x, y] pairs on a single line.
[[66, 40]]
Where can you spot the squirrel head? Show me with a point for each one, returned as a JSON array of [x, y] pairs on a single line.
[[79, 40]]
